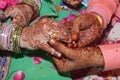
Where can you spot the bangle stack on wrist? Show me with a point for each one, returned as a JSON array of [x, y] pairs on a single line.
[[10, 37], [6, 30]]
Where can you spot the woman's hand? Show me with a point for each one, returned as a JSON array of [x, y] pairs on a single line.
[[38, 35], [21, 14], [85, 28], [73, 59], [73, 3]]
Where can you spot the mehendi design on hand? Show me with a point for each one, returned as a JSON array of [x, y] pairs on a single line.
[[76, 58], [37, 35], [84, 29]]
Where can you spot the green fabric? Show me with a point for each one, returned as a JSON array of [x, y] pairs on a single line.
[[42, 71], [64, 13], [48, 9]]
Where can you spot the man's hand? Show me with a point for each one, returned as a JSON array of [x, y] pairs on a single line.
[[73, 3], [73, 59], [86, 28]]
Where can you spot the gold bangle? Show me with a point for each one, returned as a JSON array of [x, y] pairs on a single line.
[[13, 36], [15, 39], [19, 30], [99, 18]]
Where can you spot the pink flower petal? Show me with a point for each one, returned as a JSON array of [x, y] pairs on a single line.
[[12, 2], [19, 75], [37, 60], [65, 20], [3, 4], [72, 16], [53, 67]]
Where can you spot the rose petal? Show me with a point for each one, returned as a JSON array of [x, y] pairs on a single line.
[[19, 75], [12, 2], [37, 60], [53, 67], [3, 4], [71, 16]]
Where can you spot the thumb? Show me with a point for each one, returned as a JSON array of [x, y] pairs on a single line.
[[68, 52]]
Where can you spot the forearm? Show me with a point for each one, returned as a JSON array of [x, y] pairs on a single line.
[[92, 56]]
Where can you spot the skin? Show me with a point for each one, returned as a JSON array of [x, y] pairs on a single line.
[[37, 35], [84, 29], [77, 58], [73, 3], [20, 14]]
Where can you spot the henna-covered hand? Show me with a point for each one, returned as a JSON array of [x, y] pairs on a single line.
[[85, 28], [73, 59], [21, 14], [38, 35], [73, 3]]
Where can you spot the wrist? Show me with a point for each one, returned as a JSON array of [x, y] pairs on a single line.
[[25, 38], [97, 57], [100, 63], [93, 57]]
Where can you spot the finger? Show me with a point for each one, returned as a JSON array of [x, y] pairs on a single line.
[[19, 19], [82, 22], [6, 13], [68, 52], [88, 36], [63, 65], [50, 50]]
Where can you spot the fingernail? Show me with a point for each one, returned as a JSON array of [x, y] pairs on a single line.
[[74, 36], [52, 41], [58, 55]]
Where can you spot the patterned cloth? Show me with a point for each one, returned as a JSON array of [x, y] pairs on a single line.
[[4, 65]]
